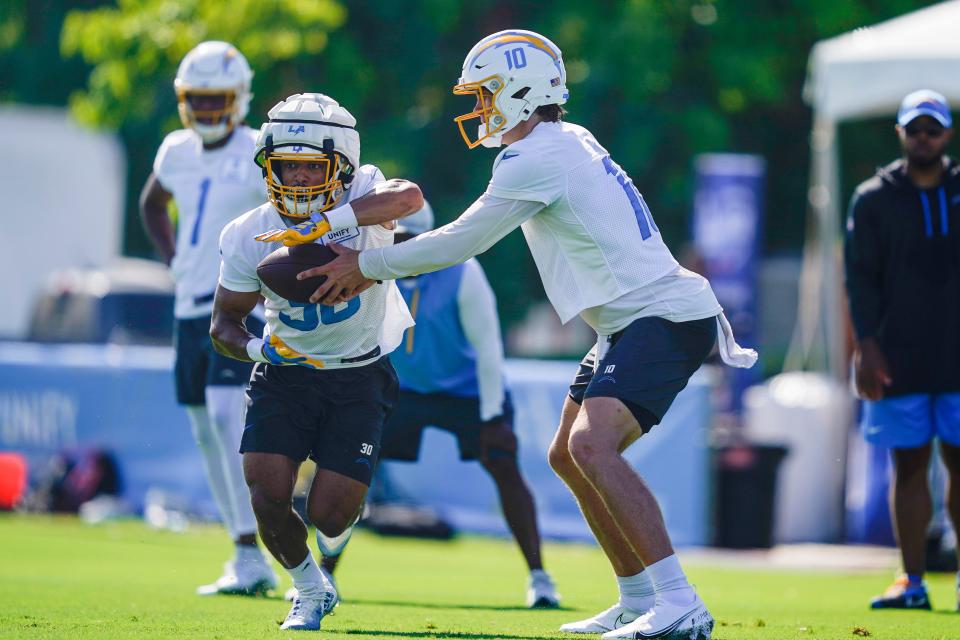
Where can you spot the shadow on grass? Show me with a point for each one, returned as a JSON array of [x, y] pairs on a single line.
[[438, 633], [435, 605]]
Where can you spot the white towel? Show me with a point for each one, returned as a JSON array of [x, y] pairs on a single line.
[[730, 352]]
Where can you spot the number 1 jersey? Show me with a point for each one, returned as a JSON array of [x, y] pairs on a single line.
[[210, 188]]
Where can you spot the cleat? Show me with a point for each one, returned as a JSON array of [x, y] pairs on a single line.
[[291, 594], [901, 595], [332, 547], [253, 579], [613, 618], [308, 610], [542, 593], [669, 622]]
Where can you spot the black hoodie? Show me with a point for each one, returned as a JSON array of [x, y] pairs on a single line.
[[902, 256]]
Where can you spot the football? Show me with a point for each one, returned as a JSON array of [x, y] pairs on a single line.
[[279, 270]]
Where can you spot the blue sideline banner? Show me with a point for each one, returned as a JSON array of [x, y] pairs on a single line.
[[727, 228], [122, 399]]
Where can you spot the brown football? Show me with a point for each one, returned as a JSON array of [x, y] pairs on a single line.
[[279, 270]]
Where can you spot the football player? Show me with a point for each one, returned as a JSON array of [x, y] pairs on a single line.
[[206, 168], [600, 255], [323, 385]]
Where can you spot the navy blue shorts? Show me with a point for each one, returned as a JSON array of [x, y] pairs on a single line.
[[334, 416], [199, 366], [646, 366], [456, 415]]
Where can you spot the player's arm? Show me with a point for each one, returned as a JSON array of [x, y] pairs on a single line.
[[863, 257], [477, 308], [385, 202], [156, 219], [487, 220], [228, 329]]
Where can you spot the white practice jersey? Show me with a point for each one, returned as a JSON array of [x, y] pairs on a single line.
[[210, 188], [596, 246], [376, 318]]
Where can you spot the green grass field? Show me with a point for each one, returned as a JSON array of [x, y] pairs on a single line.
[[62, 579]]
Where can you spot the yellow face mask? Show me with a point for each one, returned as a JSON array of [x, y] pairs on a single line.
[[300, 202], [205, 106], [485, 109]]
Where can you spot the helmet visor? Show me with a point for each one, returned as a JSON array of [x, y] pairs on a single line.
[[492, 121], [206, 106]]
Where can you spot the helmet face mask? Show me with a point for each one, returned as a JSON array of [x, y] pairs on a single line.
[[331, 169], [213, 70], [312, 129], [521, 70]]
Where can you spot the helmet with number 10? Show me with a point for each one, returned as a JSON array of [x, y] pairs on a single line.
[[519, 71]]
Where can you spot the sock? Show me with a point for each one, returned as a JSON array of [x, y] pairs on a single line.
[[914, 580], [248, 554], [539, 575], [670, 582], [307, 577], [636, 592]]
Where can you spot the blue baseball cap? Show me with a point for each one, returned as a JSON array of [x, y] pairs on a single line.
[[924, 103], [417, 222]]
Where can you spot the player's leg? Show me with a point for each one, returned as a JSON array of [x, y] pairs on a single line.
[[905, 425], [634, 586], [494, 443], [650, 362], [947, 413]]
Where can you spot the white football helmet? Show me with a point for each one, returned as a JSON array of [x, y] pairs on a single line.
[[315, 129], [213, 69], [522, 70]]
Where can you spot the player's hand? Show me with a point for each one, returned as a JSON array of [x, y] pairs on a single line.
[[872, 370], [344, 278], [307, 231], [278, 352]]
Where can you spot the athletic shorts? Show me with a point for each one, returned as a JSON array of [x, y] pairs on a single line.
[[459, 416], [333, 416], [908, 422], [646, 365], [199, 366]]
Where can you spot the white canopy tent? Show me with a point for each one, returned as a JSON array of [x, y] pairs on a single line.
[[864, 73]]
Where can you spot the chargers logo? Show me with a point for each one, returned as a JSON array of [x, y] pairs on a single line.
[[295, 131]]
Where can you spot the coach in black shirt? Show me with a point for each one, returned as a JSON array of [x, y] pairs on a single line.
[[902, 255]]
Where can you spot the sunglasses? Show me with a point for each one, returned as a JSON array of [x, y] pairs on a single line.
[[931, 131]]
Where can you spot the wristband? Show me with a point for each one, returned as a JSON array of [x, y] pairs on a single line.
[[341, 218], [255, 350]]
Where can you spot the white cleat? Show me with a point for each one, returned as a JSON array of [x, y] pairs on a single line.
[[309, 610], [249, 579], [669, 622], [291, 593], [613, 618], [542, 593]]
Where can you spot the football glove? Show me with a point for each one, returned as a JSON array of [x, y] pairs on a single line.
[[308, 231], [277, 352]]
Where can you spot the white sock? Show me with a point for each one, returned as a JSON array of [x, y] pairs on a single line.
[[211, 451], [539, 575], [636, 592], [248, 554], [307, 577], [227, 408], [670, 582]]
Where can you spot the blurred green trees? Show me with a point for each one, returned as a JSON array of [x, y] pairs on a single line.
[[656, 81]]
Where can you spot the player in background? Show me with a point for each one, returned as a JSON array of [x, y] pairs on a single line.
[[450, 367], [206, 168], [323, 385], [600, 255]]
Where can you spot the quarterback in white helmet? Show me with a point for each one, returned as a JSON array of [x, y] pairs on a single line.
[[323, 385], [600, 256], [207, 169]]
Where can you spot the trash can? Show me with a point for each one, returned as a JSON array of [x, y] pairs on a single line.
[[746, 487]]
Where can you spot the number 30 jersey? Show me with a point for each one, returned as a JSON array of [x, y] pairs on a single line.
[[210, 188], [376, 318]]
